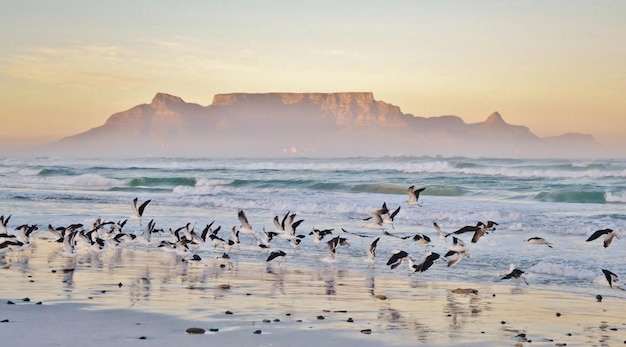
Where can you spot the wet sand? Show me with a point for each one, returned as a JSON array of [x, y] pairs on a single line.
[[139, 297]]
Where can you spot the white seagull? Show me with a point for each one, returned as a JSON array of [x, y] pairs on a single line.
[[609, 235], [414, 195], [138, 211], [245, 227]]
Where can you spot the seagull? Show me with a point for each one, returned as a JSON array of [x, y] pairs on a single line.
[[439, 231], [609, 235], [478, 230], [457, 245], [371, 251], [318, 235], [3, 224], [422, 240], [609, 279], [355, 234], [397, 258], [390, 216], [539, 241], [414, 195], [428, 261], [245, 227], [138, 211], [331, 248], [376, 221], [454, 257], [279, 255], [515, 273], [490, 226]]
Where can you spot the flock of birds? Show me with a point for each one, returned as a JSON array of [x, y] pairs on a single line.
[[185, 240]]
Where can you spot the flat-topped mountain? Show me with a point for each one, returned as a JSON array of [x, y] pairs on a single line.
[[310, 124]]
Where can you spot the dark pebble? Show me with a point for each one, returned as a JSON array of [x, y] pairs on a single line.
[[299, 321], [320, 317], [502, 322], [569, 334], [276, 320], [10, 302], [482, 332], [257, 332], [366, 331], [613, 329], [38, 303], [90, 297], [599, 298], [493, 295], [350, 320], [32, 281], [214, 330], [26, 299], [54, 271], [195, 331], [4, 321], [228, 312], [558, 314], [341, 311], [267, 321], [142, 337], [287, 314], [120, 284], [103, 291]]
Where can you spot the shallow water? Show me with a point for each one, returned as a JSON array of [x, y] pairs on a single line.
[[563, 201]]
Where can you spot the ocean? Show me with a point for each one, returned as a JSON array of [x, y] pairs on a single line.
[[563, 201]]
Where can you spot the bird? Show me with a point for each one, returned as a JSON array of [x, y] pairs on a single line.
[[439, 231], [370, 250], [245, 227], [331, 248], [414, 195], [389, 216], [376, 221], [515, 273], [397, 257], [609, 235], [539, 241], [138, 211], [422, 240], [318, 234], [3, 224], [278, 255], [478, 230], [427, 261], [490, 225], [454, 257]]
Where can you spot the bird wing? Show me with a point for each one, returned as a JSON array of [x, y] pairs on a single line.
[[598, 233]]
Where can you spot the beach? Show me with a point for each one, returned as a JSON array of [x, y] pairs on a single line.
[[138, 296]]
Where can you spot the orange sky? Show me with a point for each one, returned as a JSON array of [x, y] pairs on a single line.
[[556, 67]]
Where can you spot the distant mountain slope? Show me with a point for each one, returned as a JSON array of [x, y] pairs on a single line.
[[311, 124]]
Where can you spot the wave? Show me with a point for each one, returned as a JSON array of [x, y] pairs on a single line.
[[56, 172], [162, 181], [571, 197], [381, 188], [562, 270], [615, 197]]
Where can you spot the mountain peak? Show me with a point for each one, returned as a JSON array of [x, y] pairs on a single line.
[[495, 118], [163, 98]]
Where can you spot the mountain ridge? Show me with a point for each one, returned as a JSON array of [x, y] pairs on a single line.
[[316, 124]]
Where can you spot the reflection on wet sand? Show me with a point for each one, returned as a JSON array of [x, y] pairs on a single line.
[[400, 311]]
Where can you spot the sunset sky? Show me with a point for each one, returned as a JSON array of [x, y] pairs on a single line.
[[555, 66]]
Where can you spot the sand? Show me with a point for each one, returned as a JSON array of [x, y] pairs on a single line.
[[147, 298]]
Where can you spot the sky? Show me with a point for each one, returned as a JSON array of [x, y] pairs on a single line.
[[554, 66]]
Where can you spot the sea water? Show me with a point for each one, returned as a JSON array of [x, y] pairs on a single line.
[[563, 201]]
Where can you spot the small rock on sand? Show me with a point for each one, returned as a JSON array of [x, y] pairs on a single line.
[[465, 291], [195, 331]]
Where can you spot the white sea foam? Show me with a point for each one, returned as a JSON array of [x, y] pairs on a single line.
[[615, 197], [562, 270]]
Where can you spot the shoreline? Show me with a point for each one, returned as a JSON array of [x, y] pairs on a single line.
[[151, 297]]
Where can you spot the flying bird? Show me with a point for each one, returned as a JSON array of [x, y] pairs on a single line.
[[371, 251], [514, 273], [397, 258], [427, 261], [414, 195], [138, 211], [279, 255], [539, 241], [609, 235]]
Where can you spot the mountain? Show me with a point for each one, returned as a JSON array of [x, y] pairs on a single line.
[[310, 124]]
